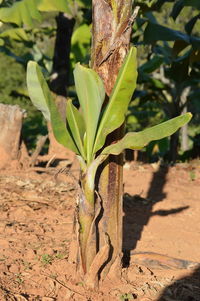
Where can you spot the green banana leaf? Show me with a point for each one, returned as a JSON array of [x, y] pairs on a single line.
[[54, 5], [80, 43], [21, 12], [138, 140], [17, 34], [77, 126], [24, 11], [114, 114], [42, 99], [91, 94]]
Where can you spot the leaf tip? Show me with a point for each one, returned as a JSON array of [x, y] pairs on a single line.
[[31, 63], [188, 116], [31, 67], [77, 66]]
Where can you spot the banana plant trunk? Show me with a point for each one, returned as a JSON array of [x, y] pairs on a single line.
[[112, 23], [100, 206]]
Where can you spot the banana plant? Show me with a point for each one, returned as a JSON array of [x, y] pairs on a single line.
[[85, 130]]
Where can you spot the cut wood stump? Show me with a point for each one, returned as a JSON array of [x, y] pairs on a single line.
[[10, 131]]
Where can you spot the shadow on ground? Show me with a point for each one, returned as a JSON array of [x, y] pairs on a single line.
[[184, 289], [138, 211]]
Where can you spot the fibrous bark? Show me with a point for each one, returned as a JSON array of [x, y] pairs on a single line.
[[110, 38], [112, 22]]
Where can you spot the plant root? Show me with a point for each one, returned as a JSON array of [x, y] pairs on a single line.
[[159, 261]]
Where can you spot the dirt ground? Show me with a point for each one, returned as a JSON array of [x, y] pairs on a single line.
[[161, 216]]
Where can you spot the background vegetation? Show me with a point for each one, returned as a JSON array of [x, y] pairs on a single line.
[[166, 34]]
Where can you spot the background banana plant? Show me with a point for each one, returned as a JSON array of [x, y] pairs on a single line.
[[85, 130]]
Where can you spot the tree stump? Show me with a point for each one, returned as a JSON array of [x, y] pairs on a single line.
[[10, 131]]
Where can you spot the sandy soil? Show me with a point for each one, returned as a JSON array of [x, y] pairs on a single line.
[[161, 216]]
